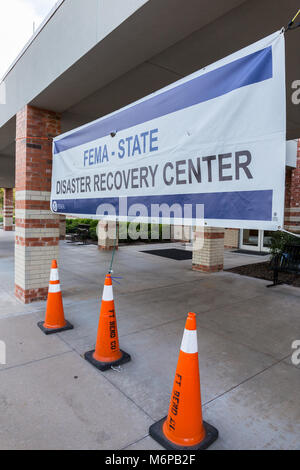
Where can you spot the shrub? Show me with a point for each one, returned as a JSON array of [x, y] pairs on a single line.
[[280, 239], [93, 234], [72, 225], [145, 229]]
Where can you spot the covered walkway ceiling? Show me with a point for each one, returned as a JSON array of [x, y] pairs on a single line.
[[91, 58]]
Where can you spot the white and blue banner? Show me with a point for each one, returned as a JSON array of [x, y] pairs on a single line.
[[215, 139]]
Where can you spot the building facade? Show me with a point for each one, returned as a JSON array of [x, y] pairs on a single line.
[[91, 58]]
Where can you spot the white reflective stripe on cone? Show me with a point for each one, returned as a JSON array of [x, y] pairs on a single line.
[[189, 342], [108, 293], [54, 288], [54, 275]]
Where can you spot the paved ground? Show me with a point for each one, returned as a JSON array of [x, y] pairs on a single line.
[[50, 398]]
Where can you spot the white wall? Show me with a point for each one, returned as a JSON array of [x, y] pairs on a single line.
[[75, 28]]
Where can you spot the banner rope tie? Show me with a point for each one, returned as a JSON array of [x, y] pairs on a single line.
[[110, 271], [290, 26], [290, 233]]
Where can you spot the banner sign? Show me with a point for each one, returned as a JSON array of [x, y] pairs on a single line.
[[212, 144]]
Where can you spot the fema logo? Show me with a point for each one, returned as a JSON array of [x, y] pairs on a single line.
[[54, 206]]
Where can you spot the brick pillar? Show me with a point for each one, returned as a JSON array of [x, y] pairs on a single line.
[[208, 249], [106, 232], [8, 204], [292, 197], [62, 227], [37, 229], [231, 238]]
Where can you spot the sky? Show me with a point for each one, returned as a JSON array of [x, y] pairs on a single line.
[[16, 26]]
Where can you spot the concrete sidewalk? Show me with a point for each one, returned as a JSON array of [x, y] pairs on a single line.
[[50, 398]]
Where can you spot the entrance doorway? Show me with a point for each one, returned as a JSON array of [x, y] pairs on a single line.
[[255, 240]]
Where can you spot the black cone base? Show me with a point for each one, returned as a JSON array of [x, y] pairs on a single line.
[[51, 331], [156, 431], [106, 365]]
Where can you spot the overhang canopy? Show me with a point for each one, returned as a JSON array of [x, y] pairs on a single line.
[[91, 58]]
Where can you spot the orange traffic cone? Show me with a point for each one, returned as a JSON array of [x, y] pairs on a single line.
[[55, 320], [183, 428], [107, 352]]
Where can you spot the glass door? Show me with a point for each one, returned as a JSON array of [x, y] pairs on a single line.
[[266, 240], [255, 240], [250, 240]]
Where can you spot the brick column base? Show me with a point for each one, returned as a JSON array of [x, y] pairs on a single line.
[[31, 295], [208, 249], [106, 232], [37, 228], [8, 204]]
